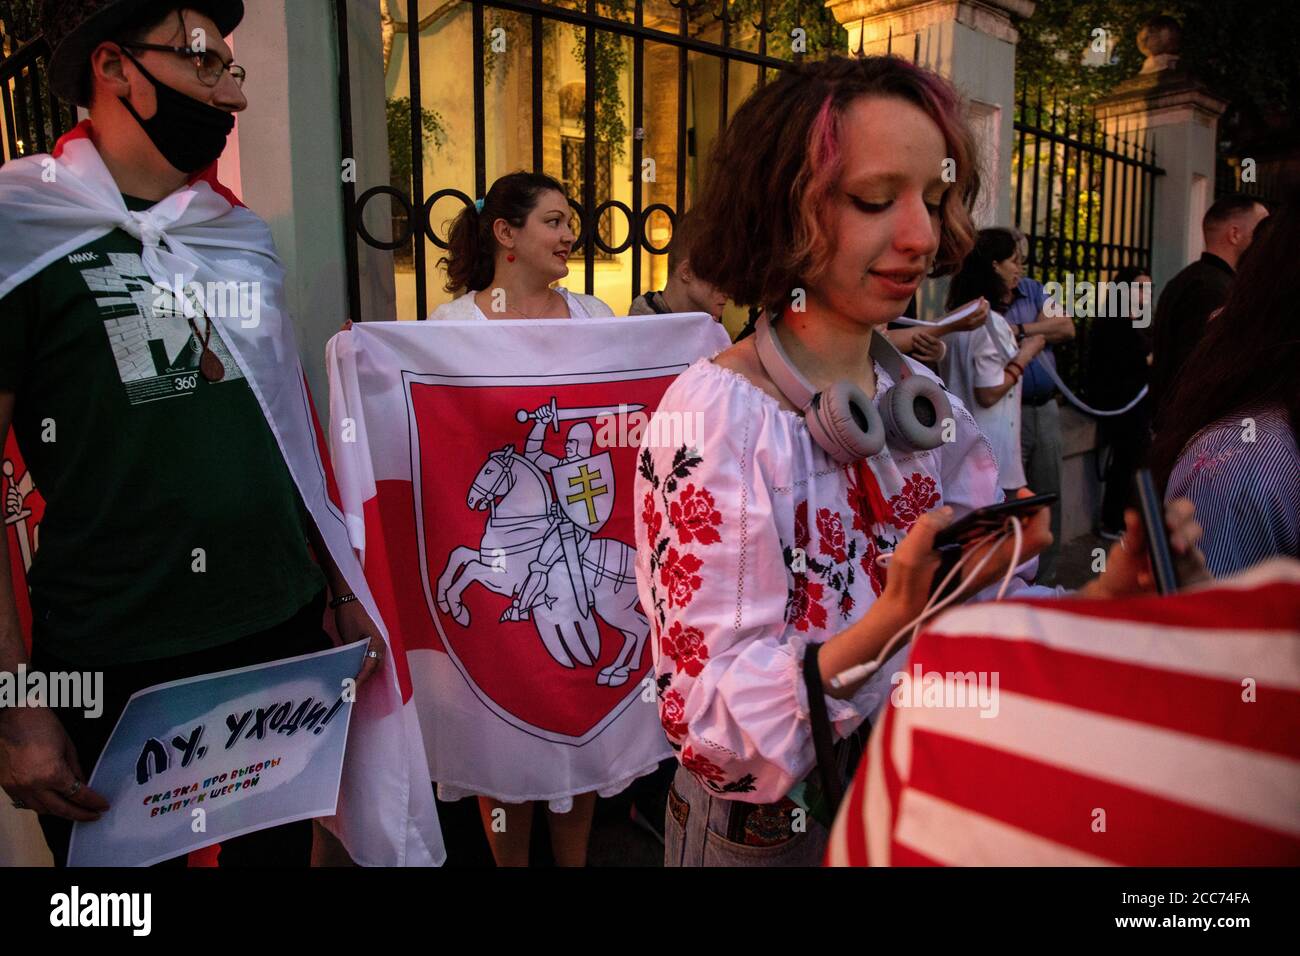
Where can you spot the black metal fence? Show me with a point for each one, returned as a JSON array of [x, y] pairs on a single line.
[[33, 116], [1084, 197], [741, 34]]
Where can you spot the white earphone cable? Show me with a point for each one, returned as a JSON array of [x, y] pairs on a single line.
[[860, 671]]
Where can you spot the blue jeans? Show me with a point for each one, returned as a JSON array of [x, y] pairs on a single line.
[[698, 822]]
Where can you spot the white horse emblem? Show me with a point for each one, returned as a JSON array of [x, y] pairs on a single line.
[[541, 553]]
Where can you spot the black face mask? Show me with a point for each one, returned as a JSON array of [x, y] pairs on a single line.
[[189, 134]]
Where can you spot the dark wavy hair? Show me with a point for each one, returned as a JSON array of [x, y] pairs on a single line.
[[976, 277], [774, 169], [471, 247], [1249, 354]]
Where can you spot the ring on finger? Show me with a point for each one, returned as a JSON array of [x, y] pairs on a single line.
[[73, 790]]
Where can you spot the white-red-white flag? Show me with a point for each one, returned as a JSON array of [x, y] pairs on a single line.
[[486, 469], [1143, 732]]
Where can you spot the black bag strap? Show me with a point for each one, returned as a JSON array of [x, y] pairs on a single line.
[[823, 738]]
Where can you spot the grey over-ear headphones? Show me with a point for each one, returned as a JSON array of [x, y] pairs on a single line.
[[843, 421]]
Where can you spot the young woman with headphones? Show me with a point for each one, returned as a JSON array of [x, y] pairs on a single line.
[[822, 450]]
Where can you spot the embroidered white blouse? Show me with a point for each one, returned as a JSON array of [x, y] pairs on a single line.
[[755, 542], [580, 307]]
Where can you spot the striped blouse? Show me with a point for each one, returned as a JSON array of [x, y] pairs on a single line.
[[1243, 475]]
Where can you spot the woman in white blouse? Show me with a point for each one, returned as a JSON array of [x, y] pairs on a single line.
[[506, 252], [504, 255], [983, 367], [826, 204]]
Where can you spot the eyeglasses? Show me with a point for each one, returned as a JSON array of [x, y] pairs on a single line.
[[207, 63]]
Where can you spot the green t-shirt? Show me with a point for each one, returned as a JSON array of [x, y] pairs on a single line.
[[172, 524]]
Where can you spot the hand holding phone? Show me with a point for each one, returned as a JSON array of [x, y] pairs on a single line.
[[953, 539], [1153, 533], [1152, 512]]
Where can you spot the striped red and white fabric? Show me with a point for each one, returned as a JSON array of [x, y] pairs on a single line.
[[1144, 732]]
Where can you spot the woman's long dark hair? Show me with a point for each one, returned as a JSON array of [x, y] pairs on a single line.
[[1249, 354], [976, 276], [471, 247]]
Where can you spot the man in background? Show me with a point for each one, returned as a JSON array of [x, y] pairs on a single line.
[[1192, 296]]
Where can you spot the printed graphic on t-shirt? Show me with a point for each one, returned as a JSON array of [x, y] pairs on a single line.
[[156, 351]]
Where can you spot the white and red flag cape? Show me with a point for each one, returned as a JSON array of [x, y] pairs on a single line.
[[486, 471], [1142, 732], [54, 205]]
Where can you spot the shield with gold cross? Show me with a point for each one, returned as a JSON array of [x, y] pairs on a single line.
[[584, 490]]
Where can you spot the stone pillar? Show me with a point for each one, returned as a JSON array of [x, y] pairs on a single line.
[[971, 43], [285, 164], [1166, 109]]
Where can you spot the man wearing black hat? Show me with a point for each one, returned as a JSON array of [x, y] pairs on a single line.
[[171, 447]]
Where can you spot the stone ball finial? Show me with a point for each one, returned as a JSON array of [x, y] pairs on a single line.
[[1159, 35], [1160, 40]]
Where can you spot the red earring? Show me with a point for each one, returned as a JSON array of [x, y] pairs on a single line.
[[510, 257]]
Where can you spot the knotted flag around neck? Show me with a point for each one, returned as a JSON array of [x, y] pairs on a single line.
[[51, 206]]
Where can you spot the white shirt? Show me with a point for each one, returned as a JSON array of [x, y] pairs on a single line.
[[759, 544], [580, 307], [978, 359]]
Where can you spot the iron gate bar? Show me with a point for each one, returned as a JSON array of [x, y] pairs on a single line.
[[589, 154], [10, 125], [1051, 164], [537, 88], [1038, 173], [638, 138], [1020, 153], [417, 148], [38, 114], [350, 208], [1093, 262], [1103, 151], [480, 106], [623, 28], [725, 65], [681, 107]]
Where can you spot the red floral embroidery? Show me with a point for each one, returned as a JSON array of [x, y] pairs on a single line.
[[672, 713], [846, 604], [875, 574], [695, 517], [801, 536], [803, 609], [918, 496], [831, 529], [652, 520], [678, 575], [701, 766], [685, 646]]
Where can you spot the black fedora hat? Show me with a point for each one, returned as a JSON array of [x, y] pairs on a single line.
[[73, 28]]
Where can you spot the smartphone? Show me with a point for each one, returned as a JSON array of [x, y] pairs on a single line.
[[950, 540], [1151, 508], [984, 520]]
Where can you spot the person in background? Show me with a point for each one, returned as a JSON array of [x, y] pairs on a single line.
[[506, 252], [1118, 366], [684, 291], [927, 344], [1229, 442], [1040, 419], [503, 255], [984, 367], [1190, 297]]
